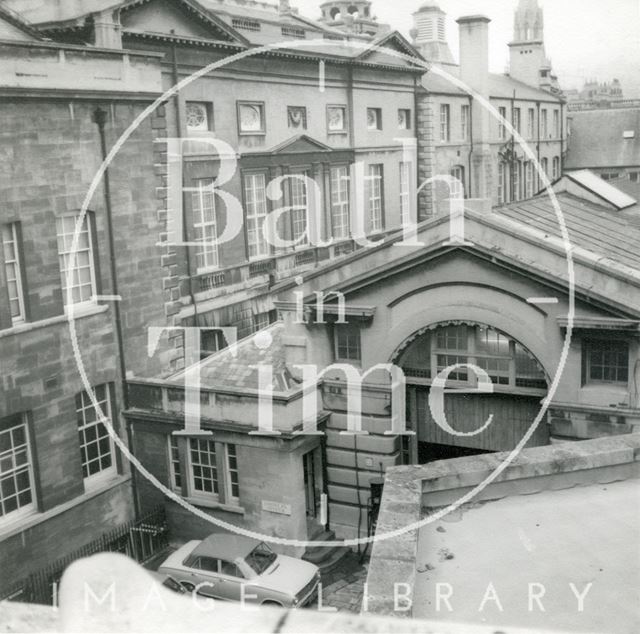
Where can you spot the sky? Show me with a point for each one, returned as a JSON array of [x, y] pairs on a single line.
[[585, 39]]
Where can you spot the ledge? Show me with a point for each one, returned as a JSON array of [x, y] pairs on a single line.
[[393, 561], [219, 506], [52, 321], [33, 519]]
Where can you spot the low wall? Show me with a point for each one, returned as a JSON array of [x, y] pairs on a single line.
[[409, 490]]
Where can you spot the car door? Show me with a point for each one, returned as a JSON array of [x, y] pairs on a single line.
[[205, 576], [231, 581]]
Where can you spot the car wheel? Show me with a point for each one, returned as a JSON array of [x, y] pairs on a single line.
[[189, 587], [272, 604]]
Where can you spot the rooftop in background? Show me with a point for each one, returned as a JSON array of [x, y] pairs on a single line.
[[604, 192], [602, 139], [500, 86]]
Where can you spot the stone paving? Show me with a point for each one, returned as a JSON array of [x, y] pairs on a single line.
[[343, 587]]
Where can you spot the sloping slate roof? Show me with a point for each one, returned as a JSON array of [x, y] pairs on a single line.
[[500, 86], [271, 21], [224, 370], [597, 141], [17, 21], [590, 227]]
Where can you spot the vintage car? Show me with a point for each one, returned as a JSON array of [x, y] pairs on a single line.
[[236, 568]]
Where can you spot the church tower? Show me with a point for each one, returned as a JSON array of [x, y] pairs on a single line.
[[528, 59], [429, 34]]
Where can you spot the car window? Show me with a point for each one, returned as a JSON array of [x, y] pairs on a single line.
[[229, 568], [261, 558], [209, 564]]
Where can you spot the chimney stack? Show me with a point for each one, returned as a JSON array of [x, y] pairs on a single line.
[[474, 52], [474, 72]]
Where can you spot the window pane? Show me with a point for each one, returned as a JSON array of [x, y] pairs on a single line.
[[607, 361], [203, 466], [76, 269], [340, 202], [12, 272], [204, 225], [96, 445], [256, 211], [16, 480]]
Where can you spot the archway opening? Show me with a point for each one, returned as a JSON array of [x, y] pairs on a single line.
[[519, 384]]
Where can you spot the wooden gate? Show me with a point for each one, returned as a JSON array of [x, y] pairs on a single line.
[[513, 415]]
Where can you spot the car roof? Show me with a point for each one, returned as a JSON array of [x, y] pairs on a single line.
[[225, 546]]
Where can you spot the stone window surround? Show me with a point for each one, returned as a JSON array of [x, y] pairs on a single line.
[[223, 500]]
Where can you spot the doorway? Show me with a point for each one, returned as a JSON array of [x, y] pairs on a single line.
[[311, 489]]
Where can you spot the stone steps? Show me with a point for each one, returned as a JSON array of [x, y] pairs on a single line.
[[325, 557]]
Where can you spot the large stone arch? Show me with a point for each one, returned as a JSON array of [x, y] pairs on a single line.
[[512, 315]]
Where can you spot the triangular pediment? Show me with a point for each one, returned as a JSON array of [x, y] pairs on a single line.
[[394, 42], [302, 144], [176, 18], [14, 28]]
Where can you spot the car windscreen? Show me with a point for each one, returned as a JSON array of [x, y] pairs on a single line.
[[260, 558]]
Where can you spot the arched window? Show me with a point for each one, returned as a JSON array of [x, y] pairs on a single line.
[[507, 362], [335, 13]]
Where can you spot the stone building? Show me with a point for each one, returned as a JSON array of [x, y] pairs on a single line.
[[341, 115], [596, 94], [298, 113], [607, 142], [462, 139], [500, 301], [63, 483]]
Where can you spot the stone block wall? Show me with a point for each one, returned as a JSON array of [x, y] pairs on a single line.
[[51, 151]]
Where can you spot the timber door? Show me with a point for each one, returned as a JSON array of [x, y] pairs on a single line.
[[513, 415], [310, 488]]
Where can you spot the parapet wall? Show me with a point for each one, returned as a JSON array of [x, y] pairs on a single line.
[[410, 490]]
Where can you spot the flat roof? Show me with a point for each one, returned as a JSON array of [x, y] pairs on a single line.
[[582, 535]]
